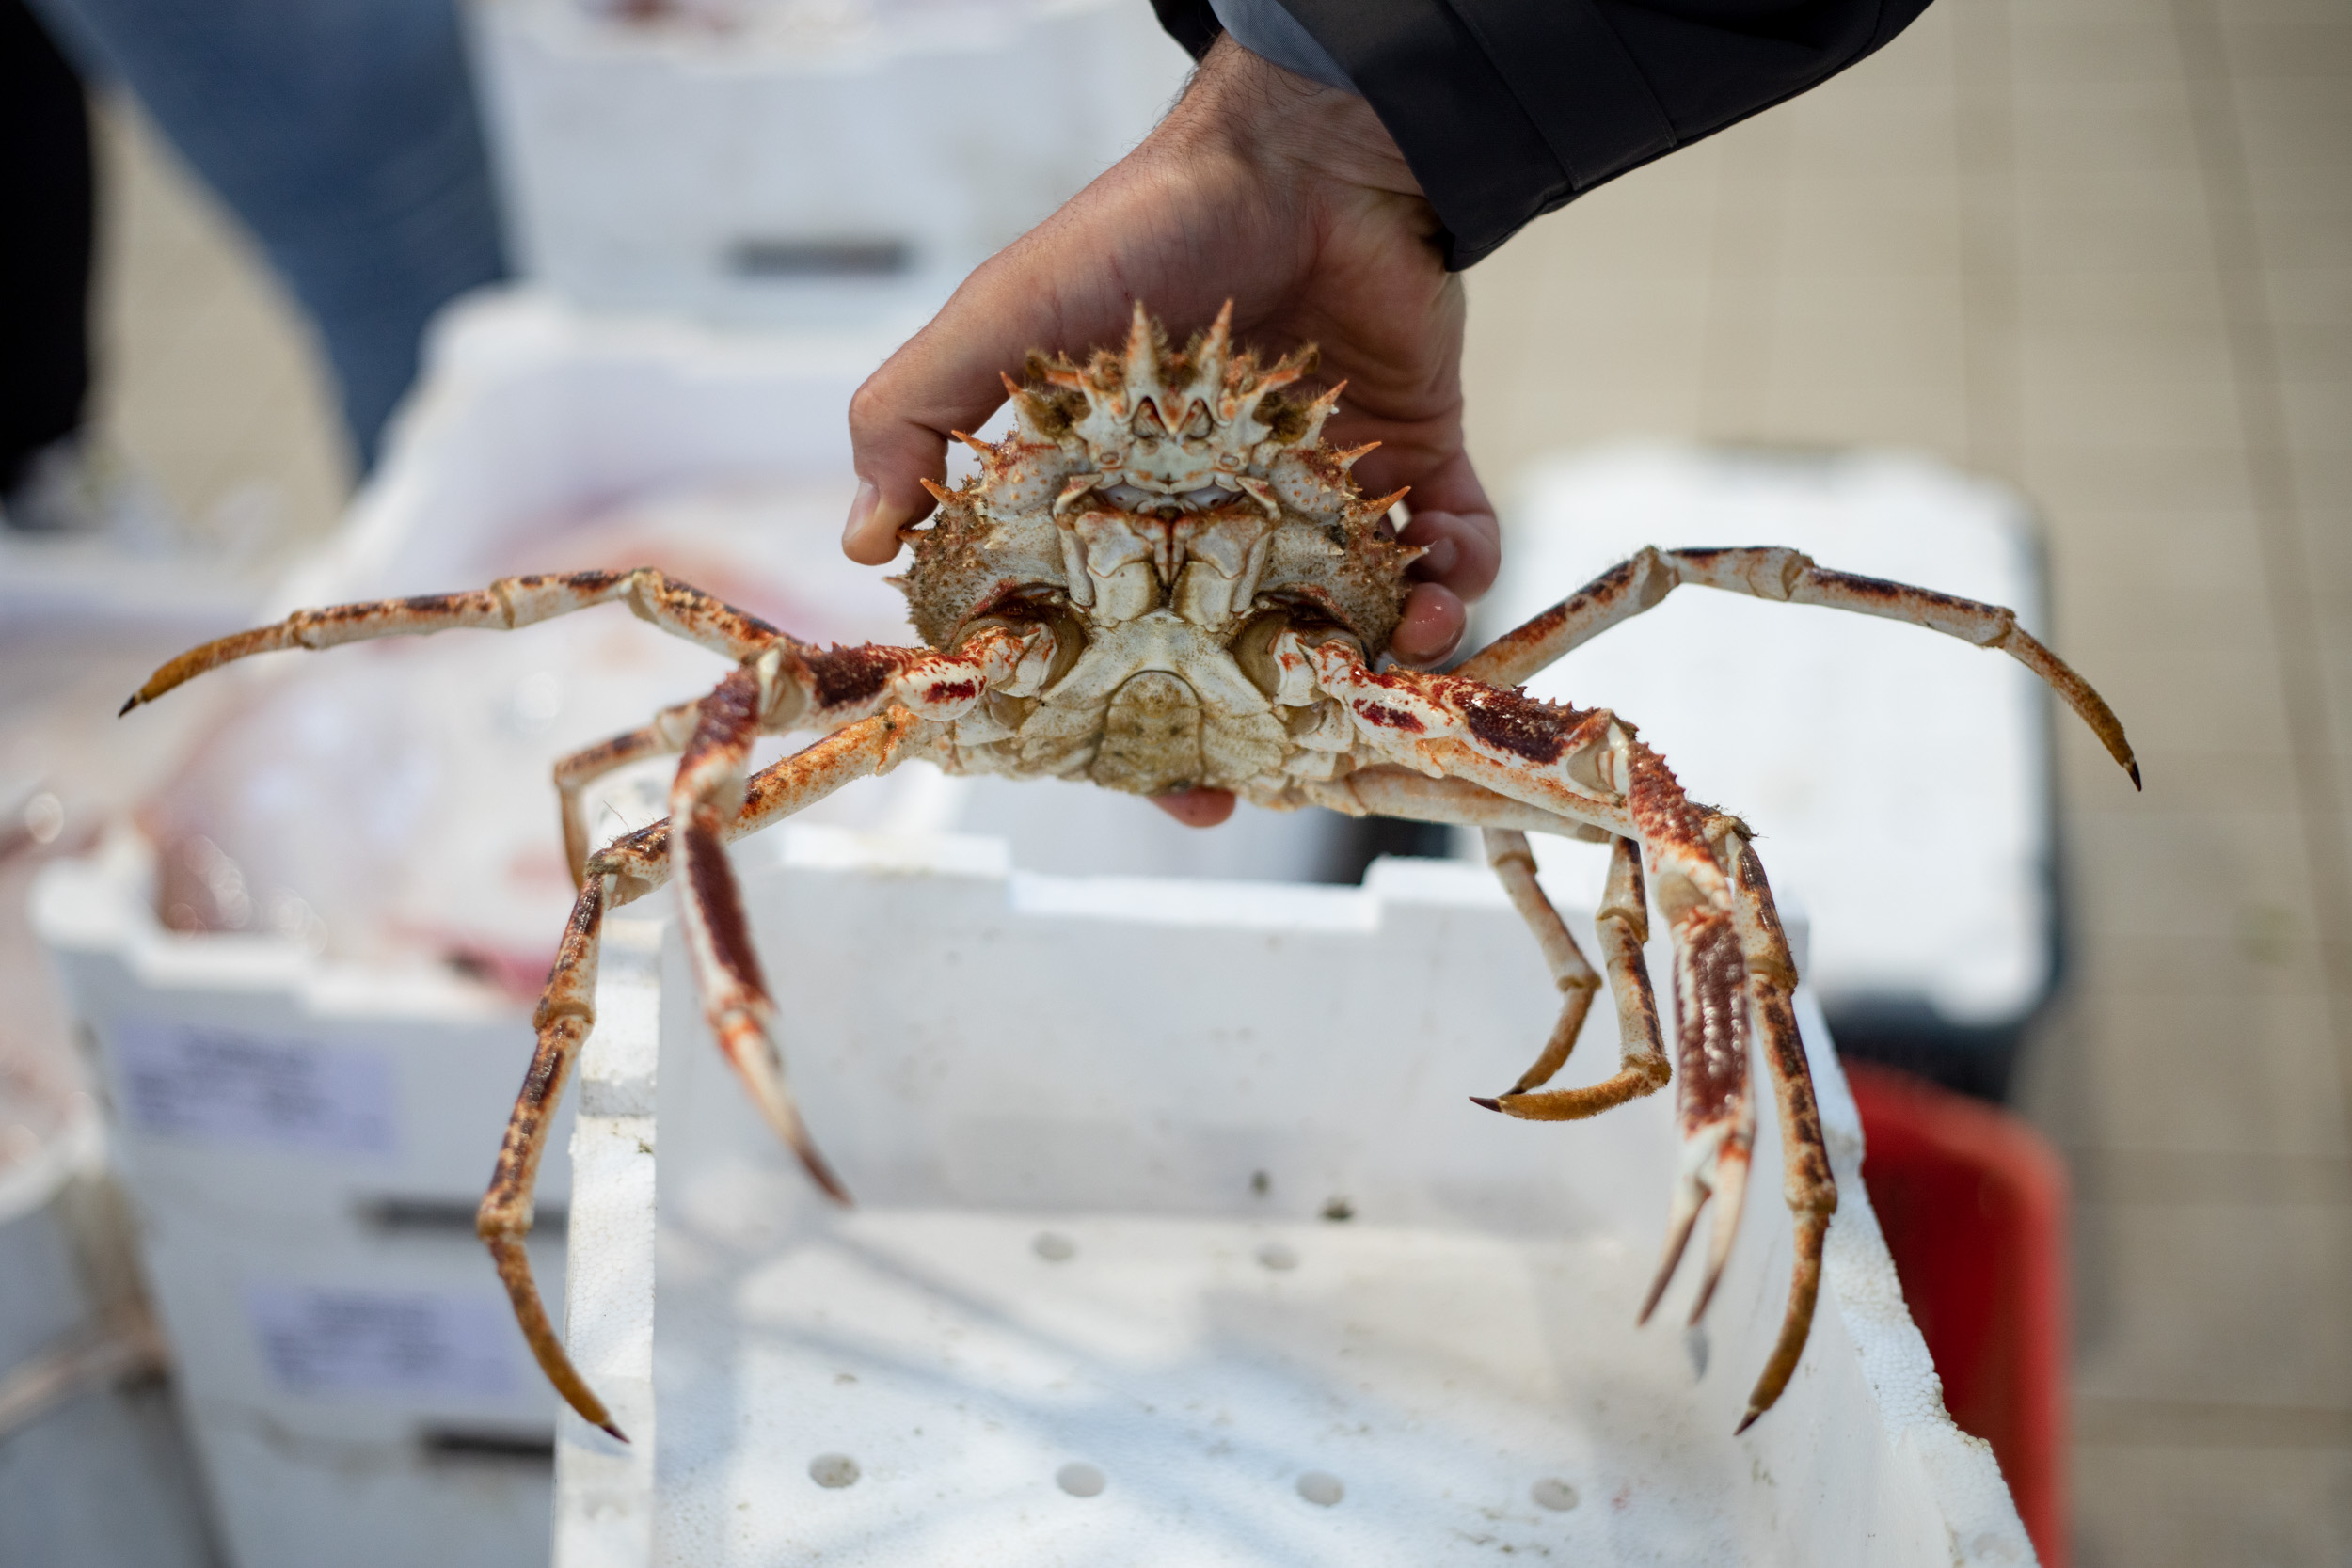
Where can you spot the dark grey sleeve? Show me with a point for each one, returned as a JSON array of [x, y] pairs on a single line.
[[1264, 28], [1508, 109]]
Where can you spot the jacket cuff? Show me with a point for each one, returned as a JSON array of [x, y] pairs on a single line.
[[1268, 30], [1504, 111]]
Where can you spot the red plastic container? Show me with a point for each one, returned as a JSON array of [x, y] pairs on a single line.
[[1973, 1202]]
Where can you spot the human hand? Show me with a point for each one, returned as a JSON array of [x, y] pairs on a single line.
[[1285, 196]]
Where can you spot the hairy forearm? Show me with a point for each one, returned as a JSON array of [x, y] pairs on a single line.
[[1298, 132]]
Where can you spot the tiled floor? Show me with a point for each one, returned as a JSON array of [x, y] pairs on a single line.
[[208, 375], [2102, 248]]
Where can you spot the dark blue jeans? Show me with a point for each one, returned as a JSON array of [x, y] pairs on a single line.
[[45, 263], [343, 133]]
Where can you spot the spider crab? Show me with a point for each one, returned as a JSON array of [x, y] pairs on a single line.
[[1163, 577]]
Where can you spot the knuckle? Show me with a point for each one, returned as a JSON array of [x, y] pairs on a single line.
[[869, 408]]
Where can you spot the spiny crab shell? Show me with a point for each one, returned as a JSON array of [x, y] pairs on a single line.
[[1177, 520]]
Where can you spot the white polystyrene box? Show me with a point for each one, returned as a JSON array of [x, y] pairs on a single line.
[[1876, 761], [102, 1476], [304, 1144], [801, 165], [532, 416], [1096, 1127]]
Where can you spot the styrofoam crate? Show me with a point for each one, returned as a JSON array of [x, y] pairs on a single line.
[[802, 164], [304, 1144], [102, 1476], [1098, 1303], [1898, 780]]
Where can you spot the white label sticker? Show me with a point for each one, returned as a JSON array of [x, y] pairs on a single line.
[[193, 1081], [333, 1339]]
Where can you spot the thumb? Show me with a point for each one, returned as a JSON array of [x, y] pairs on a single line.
[[899, 422]]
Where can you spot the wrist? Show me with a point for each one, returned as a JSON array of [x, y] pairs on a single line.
[[1289, 126]]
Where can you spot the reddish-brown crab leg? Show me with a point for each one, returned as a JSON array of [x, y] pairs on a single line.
[[1713, 1112], [1622, 925], [505, 605], [704, 801], [1386, 790], [712, 804], [813, 688], [1623, 922], [565, 1014], [667, 735], [1588, 766], [1808, 1187], [824, 688], [620, 873], [1514, 865], [1640, 583]]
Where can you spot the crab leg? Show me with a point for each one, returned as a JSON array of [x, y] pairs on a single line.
[[667, 735], [1622, 923], [620, 873], [566, 1012], [1808, 1187], [804, 688], [1385, 790], [706, 798], [1630, 587], [1712, 1108], [1586, 766], [820, 688], [1514, 865], [674, 606]]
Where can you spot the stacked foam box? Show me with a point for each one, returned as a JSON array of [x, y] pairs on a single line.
[[304, 1144], [97, 1475], [799, 164]]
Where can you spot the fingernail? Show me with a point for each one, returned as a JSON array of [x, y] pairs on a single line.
[[860, 512], [1429, 660]]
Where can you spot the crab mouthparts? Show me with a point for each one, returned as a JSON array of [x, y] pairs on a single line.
[[1144, 503]]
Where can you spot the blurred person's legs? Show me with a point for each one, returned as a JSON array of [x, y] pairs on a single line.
[[343, 133], [45, 262]]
